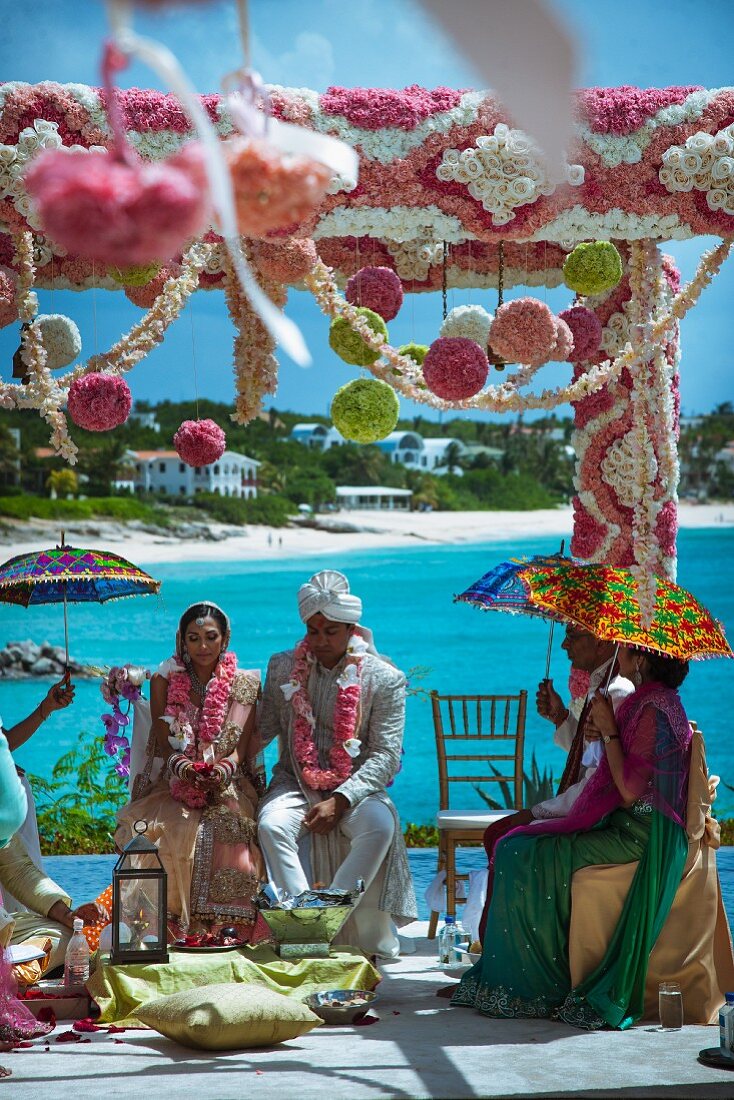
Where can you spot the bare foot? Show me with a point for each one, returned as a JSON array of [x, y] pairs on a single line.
[[447, 991], [5, 1072]]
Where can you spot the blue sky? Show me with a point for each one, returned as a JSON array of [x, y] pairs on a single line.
[[380, 43]]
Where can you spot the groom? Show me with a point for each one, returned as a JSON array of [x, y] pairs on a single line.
[[338, 710]]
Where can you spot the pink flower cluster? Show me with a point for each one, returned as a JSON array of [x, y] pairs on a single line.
[[286, 261], [378, 289], [199, 442], [144, 296], [563, 346], [99, 402], [120, 212], [625, 109], [8, 303], [586, 331], [455, 368], [273, 191], [523, 331], [216, 698], [377, 108], [346, 711], [191, 796]]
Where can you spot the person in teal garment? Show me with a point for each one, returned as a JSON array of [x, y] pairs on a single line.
[[633, 809]]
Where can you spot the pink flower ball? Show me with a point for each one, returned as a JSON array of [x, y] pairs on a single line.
[[523, 331], [377, 288], [586, 331], [455, 368], [125, 214], [666, 527], [563, 347], [144, 296], [8, 304], [273, 190], [199, 442], [99, 402], [285, 261], [578, 683]]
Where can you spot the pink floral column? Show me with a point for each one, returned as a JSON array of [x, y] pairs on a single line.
[[625, 510]]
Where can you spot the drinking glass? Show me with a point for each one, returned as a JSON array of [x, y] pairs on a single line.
[[670, 1003]]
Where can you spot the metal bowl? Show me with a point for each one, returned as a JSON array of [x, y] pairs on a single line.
[[331, 1007]]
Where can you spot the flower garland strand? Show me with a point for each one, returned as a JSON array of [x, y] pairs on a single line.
[[346, 715], [216, 699], [403, 373], [255, 365], [121, 682]]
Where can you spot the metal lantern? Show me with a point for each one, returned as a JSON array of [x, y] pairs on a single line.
[[139, 903]]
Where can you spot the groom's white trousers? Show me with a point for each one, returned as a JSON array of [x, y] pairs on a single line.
[[368, 827]]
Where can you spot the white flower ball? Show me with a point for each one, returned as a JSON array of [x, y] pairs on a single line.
[[61, 339], [469, 322]]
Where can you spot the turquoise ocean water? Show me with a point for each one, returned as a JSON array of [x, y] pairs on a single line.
[[407, 595]]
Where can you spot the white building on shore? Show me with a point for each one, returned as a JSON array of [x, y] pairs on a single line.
[[373, 497], [233, 475]]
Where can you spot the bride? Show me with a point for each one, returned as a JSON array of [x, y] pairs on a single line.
[[201, 809]]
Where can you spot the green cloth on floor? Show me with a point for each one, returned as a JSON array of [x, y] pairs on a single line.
[[118, 990]]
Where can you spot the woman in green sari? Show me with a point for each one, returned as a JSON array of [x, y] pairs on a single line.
[[633, 808]]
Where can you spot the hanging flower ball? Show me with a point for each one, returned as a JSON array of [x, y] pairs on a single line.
[[273, 190], [127, 214], [376, 288], [99, 402], [8, 303], [471, 322], [416, 352], [134, 276], [145, 296], [455, 368], [365, 410], [61, 339], [199, 442], [523, 331], [592, 268], [563, 347], [586, 330], [285, 261], [349, 345]]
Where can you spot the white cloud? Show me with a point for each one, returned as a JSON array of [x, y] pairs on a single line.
[[308, 64]]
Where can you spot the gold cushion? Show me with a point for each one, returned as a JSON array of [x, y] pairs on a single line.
[[228, 1016]]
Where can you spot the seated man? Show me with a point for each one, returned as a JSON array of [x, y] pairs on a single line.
[[49, 907], [338, 710]]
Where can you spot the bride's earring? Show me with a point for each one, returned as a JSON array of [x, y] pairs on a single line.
[[186, 657], [637, 677]]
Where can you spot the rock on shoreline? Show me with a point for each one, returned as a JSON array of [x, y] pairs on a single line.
[[27, 660]]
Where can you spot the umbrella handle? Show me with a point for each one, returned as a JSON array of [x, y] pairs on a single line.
[[610, 674], [66, 631], [548, 654]]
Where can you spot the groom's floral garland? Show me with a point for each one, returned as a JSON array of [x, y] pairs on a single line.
[[345, 746]]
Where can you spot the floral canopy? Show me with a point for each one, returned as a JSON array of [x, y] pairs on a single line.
[[449, 194]]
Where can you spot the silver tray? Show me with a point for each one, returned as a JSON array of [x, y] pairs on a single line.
[[205, 950]]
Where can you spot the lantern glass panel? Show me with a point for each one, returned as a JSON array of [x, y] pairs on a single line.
[[141, 913]]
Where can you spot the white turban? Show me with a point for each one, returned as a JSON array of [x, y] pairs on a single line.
[[328, 592]]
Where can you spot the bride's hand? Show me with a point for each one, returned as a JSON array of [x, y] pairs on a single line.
[[602, 715]]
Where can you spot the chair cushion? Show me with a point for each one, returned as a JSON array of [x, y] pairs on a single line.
[[228, 1016], [469, 819]]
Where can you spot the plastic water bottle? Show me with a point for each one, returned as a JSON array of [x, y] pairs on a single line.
[[447, 942], [726, 1028], [76, 960]]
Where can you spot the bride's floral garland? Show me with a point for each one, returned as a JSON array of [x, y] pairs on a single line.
[[345, 745], [214, 709]]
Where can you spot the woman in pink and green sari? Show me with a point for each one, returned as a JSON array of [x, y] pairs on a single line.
[[633, 809]]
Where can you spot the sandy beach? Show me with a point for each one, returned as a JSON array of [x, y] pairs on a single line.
[[370, 530]]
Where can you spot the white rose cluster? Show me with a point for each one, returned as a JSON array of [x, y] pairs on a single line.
[[414, 259], [706, 163], [61, 339], [619, 469], [471, 322], [503, 171]]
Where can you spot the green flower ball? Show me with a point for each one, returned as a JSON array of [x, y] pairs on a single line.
[[416, 352], [592, 268], [349, 346], [365, 410], [134, 276]]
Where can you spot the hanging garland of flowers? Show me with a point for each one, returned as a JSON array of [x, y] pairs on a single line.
[[255, 365], [404, 374]]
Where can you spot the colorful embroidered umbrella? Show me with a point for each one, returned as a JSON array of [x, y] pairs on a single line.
[[603, 600], [67, 574]]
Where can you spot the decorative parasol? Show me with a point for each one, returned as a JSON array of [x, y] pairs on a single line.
[[603, 600], [68, 574]]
